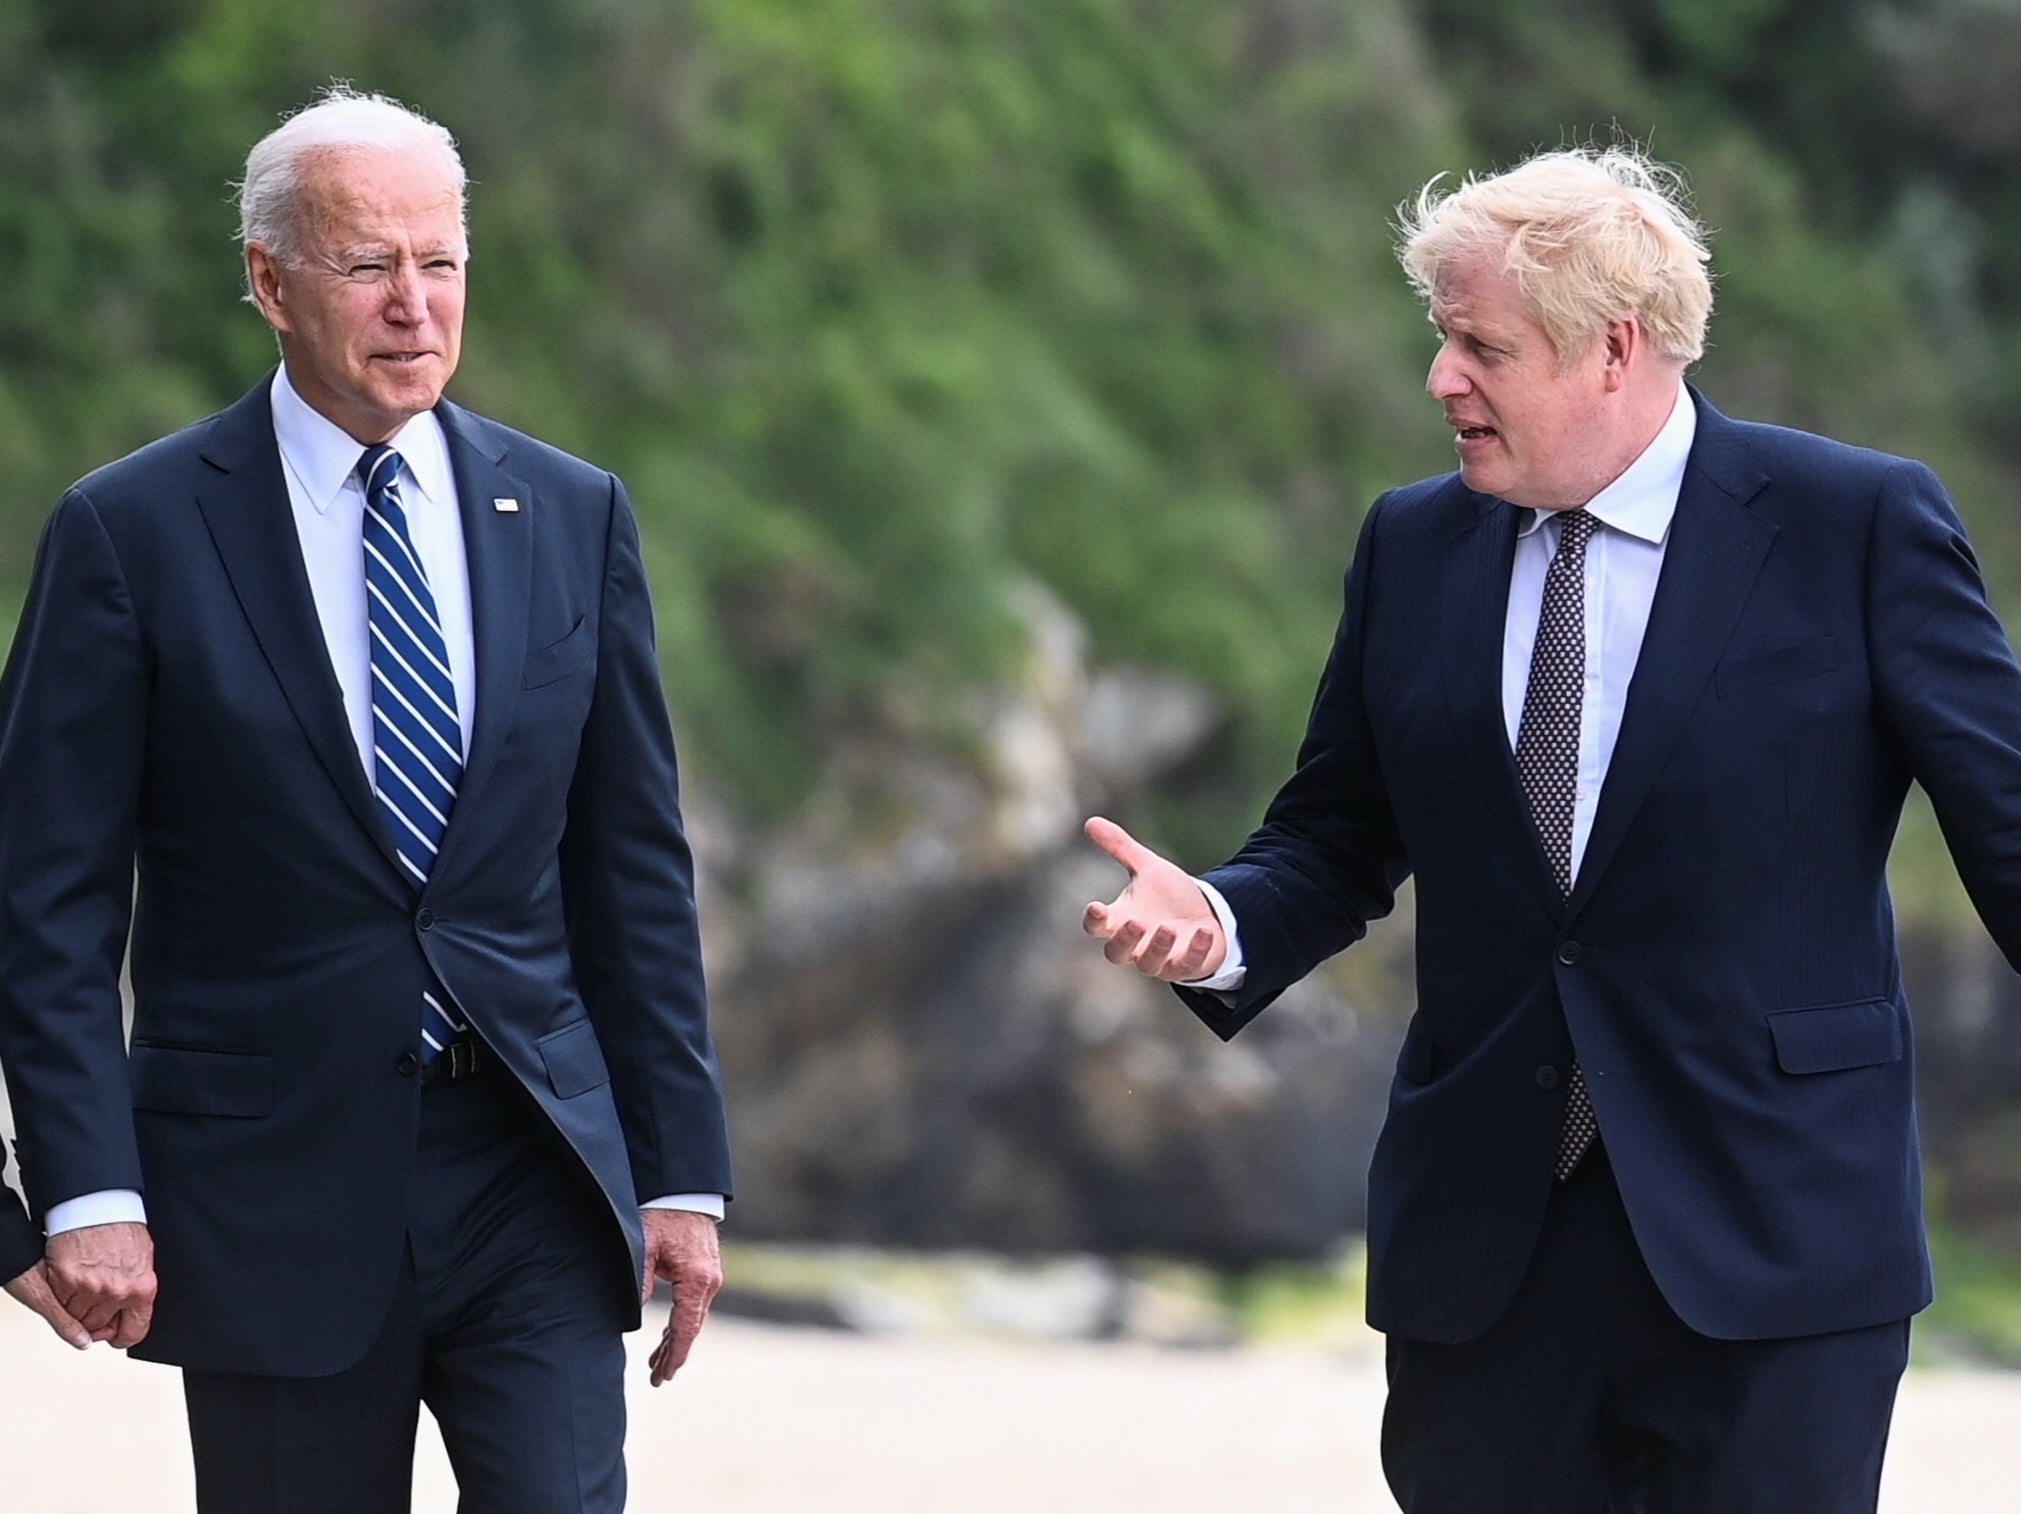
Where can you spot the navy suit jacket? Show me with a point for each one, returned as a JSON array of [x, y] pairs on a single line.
[[174, 751], [20, 1238], [1726, 966]]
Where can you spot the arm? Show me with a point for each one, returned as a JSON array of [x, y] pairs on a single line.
[[628, 883], [1328, 858], [20, 1241], [1946, 681], [73, 707]]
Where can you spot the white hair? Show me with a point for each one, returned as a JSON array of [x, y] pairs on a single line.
[[339, 119], [1590, 233]]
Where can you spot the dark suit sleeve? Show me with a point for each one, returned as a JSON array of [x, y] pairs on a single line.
[[1946, 680], [20, 1241], [1327, 858], [628, 880], [73, 713]]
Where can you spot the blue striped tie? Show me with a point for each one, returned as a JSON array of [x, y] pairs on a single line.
[[417, 743]]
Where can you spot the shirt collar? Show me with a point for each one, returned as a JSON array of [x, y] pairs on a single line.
[[323, 457], [1643, 499]]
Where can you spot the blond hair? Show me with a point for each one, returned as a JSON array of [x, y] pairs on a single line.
[[1592, 235]]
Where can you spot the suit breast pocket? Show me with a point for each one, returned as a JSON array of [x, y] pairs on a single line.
[[554, 662], [1761, 670]]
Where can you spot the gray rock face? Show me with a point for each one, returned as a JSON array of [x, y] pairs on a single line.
[[924, 1050]]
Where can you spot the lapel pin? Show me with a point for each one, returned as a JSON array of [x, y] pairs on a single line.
[[506, 506]]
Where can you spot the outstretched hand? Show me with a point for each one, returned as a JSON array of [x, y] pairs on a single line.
[[1161, 924]]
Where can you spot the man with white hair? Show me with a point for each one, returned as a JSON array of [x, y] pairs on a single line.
[[1636, 696], [361, 688]]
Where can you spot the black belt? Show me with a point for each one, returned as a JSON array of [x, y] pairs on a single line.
[[464, 1057]]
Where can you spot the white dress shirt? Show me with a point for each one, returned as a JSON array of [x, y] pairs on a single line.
[[1623, 560], [319, 460]]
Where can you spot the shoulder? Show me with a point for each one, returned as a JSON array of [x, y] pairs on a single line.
[[1789, 458], [1432, 512], [168, 464], [540, 463]]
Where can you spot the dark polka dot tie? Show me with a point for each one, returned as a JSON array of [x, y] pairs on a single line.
[[1547, 756]]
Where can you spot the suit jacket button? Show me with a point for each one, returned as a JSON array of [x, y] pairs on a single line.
[[1568, 952], [425, 920], [1547, 1077], [408, 1065]]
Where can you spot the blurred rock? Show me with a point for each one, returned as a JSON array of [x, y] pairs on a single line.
[[924, 1050]]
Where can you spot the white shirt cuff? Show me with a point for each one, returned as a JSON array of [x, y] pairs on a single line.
[[710, 1204], [109, 1206], [1233, 968]]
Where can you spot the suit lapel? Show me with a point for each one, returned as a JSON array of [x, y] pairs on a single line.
[[497, 545], [246, 511], [1715, 552], [1475, 624]]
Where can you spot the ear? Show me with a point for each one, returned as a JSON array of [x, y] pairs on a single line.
[[263, 277], [1620, 348]]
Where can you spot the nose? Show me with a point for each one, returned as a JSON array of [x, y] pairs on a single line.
[[1448, 379], [406, 298]]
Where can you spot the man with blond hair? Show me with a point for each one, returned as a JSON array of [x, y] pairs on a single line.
[[361, 688], [1636, 696]]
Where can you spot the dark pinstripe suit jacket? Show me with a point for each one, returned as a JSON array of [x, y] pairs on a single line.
[[1726, 967]]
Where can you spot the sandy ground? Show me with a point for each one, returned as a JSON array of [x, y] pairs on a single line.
[[767, 1421]]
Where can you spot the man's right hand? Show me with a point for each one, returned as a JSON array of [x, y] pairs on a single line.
[[1161, 924], [104, 1276], [32, 1288]]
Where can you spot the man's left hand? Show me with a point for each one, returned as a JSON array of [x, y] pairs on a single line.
[[681, 1247]]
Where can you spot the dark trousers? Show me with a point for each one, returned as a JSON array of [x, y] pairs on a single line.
[[508, 1324], [1590, 1396]]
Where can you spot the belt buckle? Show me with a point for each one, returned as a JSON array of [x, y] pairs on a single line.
[[459, 1060], [461, 1055]]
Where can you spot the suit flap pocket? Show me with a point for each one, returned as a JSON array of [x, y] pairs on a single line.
[[557, 660], [183, 1080], [1836, 1036], [1783, 665], [574, 1060]]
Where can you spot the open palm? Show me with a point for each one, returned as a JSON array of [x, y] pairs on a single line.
[[1161, 924]]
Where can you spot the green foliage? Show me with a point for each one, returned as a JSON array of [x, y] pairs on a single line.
[[881, 306], [1978, 1309]]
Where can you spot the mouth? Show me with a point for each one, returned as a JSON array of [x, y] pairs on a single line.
[[402, 358]]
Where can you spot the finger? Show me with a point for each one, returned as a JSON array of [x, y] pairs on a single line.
[[32, 1288], [1192, 962], [1099, 921], [1120, 844], [133, 1322], [662, 1361], [95, 1312], [1121, 948], [691, 1310], [97, 1301], [1156, 951]]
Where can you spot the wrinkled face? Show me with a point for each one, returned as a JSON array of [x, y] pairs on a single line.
[[1529, 428], [371, 317]]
